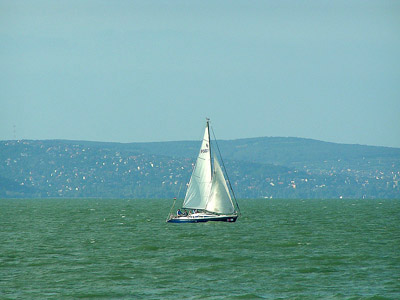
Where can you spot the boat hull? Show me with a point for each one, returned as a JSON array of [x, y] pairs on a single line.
[[202, 219]]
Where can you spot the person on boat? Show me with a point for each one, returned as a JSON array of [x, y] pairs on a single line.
[[179, 213]]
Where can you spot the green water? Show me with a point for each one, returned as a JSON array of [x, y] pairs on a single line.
[[123, 249]]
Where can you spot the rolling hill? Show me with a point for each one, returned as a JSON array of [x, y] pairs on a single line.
[[266, 167]]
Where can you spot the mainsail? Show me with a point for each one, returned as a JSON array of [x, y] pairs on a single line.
[[200, 182]]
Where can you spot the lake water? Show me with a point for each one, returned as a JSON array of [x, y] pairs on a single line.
[[123, 249]]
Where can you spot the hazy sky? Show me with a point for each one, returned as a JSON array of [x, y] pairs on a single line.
[[131, 71]]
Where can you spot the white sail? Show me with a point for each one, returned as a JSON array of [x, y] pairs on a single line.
[[220, 200], [207, 191], [200, 182]]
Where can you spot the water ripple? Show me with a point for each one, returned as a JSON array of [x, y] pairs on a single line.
[[123, 249]]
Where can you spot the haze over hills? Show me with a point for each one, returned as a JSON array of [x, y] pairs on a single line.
[[257, 167]]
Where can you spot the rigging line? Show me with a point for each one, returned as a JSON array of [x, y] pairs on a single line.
[[170, 211], [226, 173], [173, 204], [179, 190]]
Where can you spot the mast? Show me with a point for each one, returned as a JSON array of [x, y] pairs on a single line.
[[209, 145]]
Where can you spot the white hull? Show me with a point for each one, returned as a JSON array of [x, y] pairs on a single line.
[[202, 217]]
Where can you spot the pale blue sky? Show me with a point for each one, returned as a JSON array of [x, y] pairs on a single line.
[[131, 71]]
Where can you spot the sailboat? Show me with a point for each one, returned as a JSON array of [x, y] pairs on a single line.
[[208, 197]]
